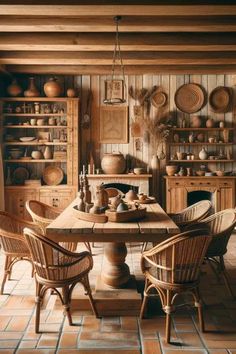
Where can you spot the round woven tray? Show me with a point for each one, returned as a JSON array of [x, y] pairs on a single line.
[[52, 175], [189, 98], [20, 174], [220, 99], [159, 99]]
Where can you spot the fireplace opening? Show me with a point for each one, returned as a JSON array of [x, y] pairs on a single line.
[[123, 187], [197, 196]]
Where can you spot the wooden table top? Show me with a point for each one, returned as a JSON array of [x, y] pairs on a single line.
[[156, 226]]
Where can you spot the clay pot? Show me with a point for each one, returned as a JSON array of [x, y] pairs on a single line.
[[200, 137], [71, 92], [196, 122], [14, 89], [171, 169], [32, 90], [210, 123], [181, 155], [115, 201], [113, 163], [131, 195], [52, 88]]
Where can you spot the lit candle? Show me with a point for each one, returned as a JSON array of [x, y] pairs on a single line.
[[89, 169]]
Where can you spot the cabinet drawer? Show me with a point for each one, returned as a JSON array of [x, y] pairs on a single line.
[[226, 184]]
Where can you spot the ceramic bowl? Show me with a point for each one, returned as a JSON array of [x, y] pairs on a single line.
[[220, 173], [15, 153], [200, 173], [139, 170], [37, 155]]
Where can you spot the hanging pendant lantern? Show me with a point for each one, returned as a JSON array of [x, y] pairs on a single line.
[[114, 88]]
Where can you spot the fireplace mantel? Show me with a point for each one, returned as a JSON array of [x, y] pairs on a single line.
[[140, 181]]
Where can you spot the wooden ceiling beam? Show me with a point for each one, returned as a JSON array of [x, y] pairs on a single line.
[[128, 24], [129, 42], [113, 10], [130, 70], [129, 58]]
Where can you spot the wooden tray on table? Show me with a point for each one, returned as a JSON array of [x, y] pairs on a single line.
[[98, 218], [127, 215]]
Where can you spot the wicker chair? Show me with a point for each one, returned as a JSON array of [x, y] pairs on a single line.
[[43, 214], [221, 226], [12, 242], [172, 268], [192, 214], [56, 267]]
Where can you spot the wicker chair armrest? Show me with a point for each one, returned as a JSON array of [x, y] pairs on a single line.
[[165, 244], [12, 235]]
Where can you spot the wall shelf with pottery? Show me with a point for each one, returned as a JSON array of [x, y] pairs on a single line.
[[37, 134]]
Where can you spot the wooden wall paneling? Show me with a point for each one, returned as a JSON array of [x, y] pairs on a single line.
[[138, 154], [229, 116], [84, 132], [95, 133], [131, 102]]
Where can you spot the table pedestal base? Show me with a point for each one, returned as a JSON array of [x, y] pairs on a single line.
[[110, 301], [115, 272]]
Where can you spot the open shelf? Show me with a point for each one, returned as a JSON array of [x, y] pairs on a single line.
[[201, 129], [34, 160], [35, 115], [35, 126], [198, 143], [197, 161], [34, 143]]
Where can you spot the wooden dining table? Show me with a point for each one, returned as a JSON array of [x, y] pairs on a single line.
[[156, 227]]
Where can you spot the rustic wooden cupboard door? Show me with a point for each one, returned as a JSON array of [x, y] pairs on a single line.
[[176, 199], [56, 198], [15, 201]]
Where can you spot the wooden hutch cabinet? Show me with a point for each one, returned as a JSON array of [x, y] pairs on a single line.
[[48, 126], [204, 175]]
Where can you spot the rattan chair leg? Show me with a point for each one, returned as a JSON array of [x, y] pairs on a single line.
[[226, 276], [145, 298], [87, 244], [87, 288], [38, 305], [198, 304], [6, 272], [66, 303], [168, 316]]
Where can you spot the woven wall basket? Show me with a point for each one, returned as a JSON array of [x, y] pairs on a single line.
[[189, 98]]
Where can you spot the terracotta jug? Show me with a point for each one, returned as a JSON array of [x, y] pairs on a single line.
[[32, 90], [52, 88], [14, 89], [203, 154]]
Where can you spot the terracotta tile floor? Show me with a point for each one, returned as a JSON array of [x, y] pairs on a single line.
[[126, 335]]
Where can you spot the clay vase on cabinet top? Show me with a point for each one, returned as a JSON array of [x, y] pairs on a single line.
[[14, 89], [32, 90], [52, 88]]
